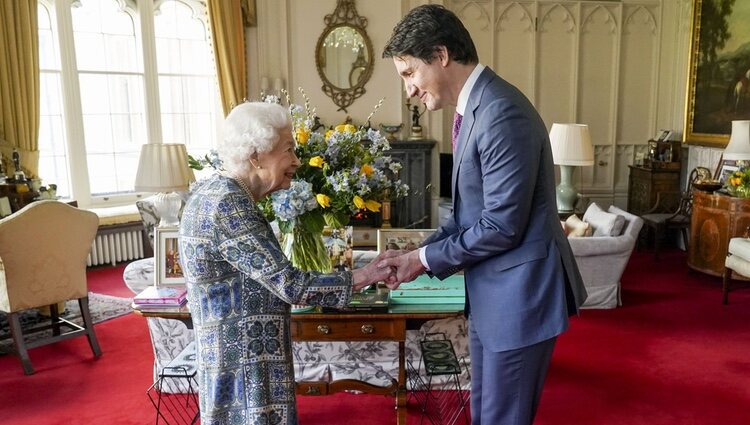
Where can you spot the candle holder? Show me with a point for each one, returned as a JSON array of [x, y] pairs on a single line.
[[416, 128]]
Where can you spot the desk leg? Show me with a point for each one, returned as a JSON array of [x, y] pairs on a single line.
[[401, 396]]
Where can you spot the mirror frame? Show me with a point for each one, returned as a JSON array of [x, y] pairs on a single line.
[[345, 15]]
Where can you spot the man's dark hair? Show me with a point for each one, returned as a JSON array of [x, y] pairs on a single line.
[[427, 27]]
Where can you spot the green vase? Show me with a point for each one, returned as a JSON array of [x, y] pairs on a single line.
[[306, 250]]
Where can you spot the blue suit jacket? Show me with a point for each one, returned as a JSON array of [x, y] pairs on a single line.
[[522, 281]]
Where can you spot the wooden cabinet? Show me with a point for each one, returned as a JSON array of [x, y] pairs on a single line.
[[645, 183], [715, 219], [415, 157]]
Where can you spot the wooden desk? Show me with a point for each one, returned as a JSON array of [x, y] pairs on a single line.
[[715, 219], [391, 326]]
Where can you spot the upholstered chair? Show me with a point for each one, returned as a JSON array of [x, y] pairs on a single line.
[[43, 249], [602, 258]]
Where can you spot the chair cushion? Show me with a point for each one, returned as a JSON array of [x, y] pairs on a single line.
[[604, 223], [740, 247], [575, 227]]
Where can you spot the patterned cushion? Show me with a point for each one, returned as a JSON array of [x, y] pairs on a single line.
[[150, 218]]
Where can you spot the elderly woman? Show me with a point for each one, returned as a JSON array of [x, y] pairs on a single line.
[[240, 284]]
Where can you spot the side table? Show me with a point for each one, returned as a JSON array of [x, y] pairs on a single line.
[[716, 218]]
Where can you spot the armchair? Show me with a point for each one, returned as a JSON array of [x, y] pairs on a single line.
[[602, 259], [43, 267]]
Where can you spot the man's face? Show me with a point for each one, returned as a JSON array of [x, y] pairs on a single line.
[[427, 81]]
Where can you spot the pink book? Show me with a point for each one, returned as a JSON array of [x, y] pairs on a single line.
[[170, 295]]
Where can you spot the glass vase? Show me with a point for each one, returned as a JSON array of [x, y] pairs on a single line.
[[306, 250]]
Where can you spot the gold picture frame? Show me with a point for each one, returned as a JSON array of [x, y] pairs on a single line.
[[404, 239], [167, 266], [718, 88]]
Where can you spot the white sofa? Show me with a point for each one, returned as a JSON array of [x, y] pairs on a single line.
[[602, 259]]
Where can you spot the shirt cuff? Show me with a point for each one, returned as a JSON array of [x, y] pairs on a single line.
[[423, 257]]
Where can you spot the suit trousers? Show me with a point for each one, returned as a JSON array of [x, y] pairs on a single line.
[[506, 386]]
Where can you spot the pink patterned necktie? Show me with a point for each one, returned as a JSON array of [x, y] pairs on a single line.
[[457, 118]]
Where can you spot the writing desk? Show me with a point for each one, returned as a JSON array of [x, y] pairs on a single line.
[[348, 326]]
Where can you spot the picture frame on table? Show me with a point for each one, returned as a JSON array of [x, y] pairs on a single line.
[[726, 171], [340, 247], [167, 266], [718, 74], [404, 239]]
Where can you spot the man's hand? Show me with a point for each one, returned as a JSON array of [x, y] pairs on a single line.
[[372, 273], [408, 266]]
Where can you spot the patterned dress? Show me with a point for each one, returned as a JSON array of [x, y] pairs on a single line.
[[240, 287]]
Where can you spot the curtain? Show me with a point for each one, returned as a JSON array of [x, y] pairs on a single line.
[[19, 82], [228, 33]]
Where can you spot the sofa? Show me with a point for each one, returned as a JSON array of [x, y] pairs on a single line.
[[602, 257]]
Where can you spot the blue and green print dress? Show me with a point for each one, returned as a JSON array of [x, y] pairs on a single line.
[[240, 288]]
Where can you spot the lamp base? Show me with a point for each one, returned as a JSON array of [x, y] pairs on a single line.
[[567, 196], [168, 207]]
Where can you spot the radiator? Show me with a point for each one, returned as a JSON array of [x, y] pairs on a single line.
[[111, 247]]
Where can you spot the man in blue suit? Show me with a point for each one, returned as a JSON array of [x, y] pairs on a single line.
[[522, 281]]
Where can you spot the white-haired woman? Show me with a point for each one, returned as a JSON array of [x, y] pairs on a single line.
[[240, 285]]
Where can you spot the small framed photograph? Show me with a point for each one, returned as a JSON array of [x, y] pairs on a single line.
[[726, 172], [404, 239], [167, 266], [5, 209], [663, 135], [339, 244]]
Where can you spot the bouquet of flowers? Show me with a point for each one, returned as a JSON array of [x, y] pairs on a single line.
[[738, 183], [344, 170]]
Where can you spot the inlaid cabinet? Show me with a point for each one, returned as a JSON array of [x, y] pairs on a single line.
[[715, 219]]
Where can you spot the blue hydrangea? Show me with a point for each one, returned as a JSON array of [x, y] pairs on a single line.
[[290, 203]]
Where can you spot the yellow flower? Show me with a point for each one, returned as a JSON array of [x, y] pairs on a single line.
[[346, 128], [367, 170], [328, 134], [372, 205], [302, 136], [317, 161], [735, 181], [359, 202], [323, 200]]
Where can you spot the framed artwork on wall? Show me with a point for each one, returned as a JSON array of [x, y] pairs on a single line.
[[167, 267], [719, 71]]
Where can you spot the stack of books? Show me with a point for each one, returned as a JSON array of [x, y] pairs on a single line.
[[161, 298]]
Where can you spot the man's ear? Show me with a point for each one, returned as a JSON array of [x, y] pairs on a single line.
[[442, 55]]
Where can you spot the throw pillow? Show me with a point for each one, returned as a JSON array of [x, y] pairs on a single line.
[[575, 227], [606, 224]]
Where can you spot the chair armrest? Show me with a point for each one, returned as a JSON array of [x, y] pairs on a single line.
[[600, 245]]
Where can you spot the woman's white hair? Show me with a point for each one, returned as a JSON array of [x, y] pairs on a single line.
[[249, 128]]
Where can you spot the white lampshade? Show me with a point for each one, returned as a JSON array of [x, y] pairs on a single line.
[[738, 147], [163, 167], [571, 144]]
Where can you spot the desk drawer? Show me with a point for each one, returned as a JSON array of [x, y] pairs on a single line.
[[347, 330]]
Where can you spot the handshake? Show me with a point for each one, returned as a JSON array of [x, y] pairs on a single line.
[[393, 267]]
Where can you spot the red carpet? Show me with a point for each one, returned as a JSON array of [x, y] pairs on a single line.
[[673, 354]]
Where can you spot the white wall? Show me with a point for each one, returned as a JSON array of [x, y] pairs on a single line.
[[619, 66]]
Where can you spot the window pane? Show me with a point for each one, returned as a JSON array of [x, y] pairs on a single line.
[[188, 92], [104, 37]]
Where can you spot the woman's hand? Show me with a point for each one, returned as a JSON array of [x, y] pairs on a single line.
[[371, 273]]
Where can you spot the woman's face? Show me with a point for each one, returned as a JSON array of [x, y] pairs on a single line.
[[279, 165]]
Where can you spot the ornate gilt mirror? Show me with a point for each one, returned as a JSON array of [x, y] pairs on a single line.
[[343, 55]]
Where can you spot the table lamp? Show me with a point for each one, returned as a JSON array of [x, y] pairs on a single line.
[[163, 168], [738, 148], [571, 147]]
